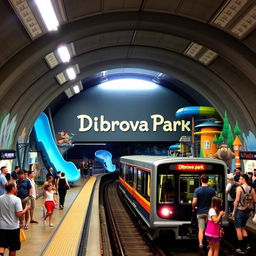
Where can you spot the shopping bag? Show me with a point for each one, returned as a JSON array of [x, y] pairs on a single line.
[[22, 235]]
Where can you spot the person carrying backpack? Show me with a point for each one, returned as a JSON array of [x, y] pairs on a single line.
[[243, 207], [231, 192]]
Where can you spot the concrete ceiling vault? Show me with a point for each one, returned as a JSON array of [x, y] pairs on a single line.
[[149, 34]]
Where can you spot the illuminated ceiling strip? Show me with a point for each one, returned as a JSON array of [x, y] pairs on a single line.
[[246, 24], [63, 53], [70, 72], [228, 12], [48, 14], [27, 18]]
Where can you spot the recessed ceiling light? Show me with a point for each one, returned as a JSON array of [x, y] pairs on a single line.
[[61, 78], [51, 60], [63, 53], [228, 12], [71, 73], [208, 57], [76, 89], [193, 49], [48, 14], [246, 24], [27, 17]]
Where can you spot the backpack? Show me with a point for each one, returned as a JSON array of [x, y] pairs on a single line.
[[246, 201], [232, 191]]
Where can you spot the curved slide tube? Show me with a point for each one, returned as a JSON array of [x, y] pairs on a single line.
[[105, 158], [50, 151]]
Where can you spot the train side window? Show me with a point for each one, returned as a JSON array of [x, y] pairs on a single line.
[[188, 184], [217, 182], [166, 189], [139, 181], [135, 178], [121, 170], [129, 175], [147, 183]]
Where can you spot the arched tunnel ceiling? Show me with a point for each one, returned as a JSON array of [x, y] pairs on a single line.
[[151, 34]]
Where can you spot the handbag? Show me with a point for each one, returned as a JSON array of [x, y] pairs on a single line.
[[254, 218], [22, 235], [66, 186]]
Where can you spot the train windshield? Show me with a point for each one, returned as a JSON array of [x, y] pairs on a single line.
[[177, 186]]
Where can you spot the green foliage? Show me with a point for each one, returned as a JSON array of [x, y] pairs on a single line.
[[220, 139], [226, 125], [237, 130], [230, 138], [215, 140]]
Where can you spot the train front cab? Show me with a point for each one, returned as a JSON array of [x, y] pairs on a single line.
[[175, 187]]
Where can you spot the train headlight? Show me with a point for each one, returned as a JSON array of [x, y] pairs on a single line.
[[165, 211]]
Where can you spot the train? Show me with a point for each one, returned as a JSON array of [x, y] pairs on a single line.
[[159, 189]]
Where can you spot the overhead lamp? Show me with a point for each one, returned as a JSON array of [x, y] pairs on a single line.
[[27, 17], [48, 14], [228, 12], [76, 89], [63, 53], [208, 57], [128, 84], [61, 78], [71, 73], [246, 24], [69, 93], [51, 60], [193, 49]]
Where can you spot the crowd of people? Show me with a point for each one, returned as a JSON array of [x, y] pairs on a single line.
[[18, 194], [209, 210]]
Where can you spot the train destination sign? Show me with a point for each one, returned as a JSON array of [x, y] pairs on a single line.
[[190, 167], [100, 124]]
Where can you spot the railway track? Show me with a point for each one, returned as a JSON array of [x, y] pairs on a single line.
[[127, 239]]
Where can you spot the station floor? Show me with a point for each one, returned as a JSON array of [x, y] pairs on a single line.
[[39, 234]]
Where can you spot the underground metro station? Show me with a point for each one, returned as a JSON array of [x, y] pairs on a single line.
[[133, 101]]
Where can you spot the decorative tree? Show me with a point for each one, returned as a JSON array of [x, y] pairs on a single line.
[[215, 140], [237, 131], [225, 129], [220, 139], [230, 138]]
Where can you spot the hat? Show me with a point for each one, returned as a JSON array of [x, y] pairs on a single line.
[[230, 176]]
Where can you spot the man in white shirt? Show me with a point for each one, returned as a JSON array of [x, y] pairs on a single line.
[[10, 211], [3, 180], [34, 195]]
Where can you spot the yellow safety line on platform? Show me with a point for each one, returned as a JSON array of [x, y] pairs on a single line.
[[66, 239]]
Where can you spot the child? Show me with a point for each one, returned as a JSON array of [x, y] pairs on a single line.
[[49, 203], [212, 231]]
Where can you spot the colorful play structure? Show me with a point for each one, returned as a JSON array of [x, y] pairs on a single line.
[[49, 150], [105, 158]]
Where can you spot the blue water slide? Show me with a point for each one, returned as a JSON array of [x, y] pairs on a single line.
[[105, 158], [50, 151]]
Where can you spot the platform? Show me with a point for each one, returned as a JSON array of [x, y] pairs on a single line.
[[39, 234]]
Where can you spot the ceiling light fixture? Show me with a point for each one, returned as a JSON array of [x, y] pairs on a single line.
[[61, 78], [51, 60], [71, 73], [76, 89], [208, 57], [246, 24], [48, 14], [27, 17], [63, 53], [228, 12], [193, 49]]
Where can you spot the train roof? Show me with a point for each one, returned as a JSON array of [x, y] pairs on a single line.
[[147, 160]]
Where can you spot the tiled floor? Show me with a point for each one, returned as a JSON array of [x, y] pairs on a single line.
[[39, 234]]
